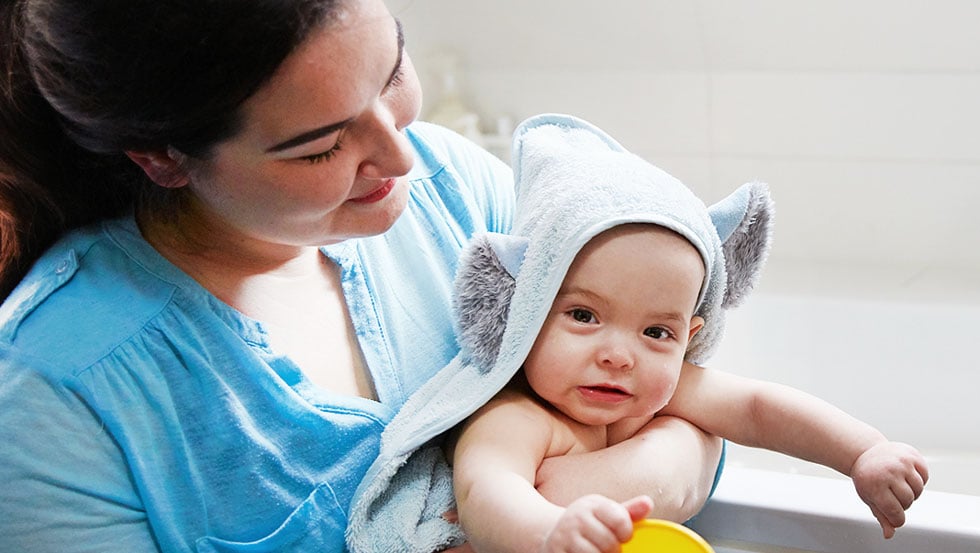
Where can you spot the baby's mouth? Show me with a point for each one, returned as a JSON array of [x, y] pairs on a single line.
[[605, 393]]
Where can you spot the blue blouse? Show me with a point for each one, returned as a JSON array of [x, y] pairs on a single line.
[[139, 413]]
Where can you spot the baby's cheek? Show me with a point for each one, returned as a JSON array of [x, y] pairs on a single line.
[[662, 389]]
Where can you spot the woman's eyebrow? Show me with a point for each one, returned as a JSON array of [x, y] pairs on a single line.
[[320, 132], [308, 136]]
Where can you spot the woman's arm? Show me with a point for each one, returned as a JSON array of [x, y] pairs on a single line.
[[670, 459], [65, 484]]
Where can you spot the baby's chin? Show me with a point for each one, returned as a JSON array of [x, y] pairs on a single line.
[[594, 417]]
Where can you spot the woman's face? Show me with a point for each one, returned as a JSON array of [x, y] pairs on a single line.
[[322, 155]]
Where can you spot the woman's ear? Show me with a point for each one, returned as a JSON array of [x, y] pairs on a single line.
[[162, 166]]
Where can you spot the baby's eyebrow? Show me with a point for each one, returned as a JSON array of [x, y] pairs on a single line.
[[576, 293], [673, 316]]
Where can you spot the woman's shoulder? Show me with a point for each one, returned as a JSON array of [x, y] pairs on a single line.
[[438, 148], [438, 140], [85, 295], [462, 175]]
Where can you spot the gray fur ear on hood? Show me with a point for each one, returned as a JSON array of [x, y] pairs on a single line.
[[744, 222], [484, 286]]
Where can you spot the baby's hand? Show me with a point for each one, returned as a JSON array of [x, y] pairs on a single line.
[[889, 477], [596, 524]]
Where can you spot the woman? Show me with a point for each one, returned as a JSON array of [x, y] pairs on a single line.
[[232, 255]]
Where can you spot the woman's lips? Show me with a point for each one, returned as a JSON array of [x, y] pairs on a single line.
[[377, 195], [604, 393]]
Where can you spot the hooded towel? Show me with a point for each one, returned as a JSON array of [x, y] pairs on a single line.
[[573, 182]]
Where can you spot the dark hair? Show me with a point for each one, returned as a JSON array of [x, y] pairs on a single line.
[[81, 81]]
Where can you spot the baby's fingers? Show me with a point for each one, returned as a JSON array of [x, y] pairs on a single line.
[[894, 513], [905, 494], [917, 480], [889, 506], [887, 529], [638, 507], [591, 523]]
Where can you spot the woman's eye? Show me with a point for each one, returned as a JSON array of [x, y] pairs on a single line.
[[399, 73], [657, 333], [582, 315], [324, 156], [397, 77]]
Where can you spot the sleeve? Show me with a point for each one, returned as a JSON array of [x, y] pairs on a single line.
[[45, 503]]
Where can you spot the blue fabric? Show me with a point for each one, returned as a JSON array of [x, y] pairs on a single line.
[[720, 469], [139, 413], [714, 485]]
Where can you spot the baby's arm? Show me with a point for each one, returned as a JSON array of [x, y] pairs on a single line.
[[888, 476], [494, 463], [669, 459]]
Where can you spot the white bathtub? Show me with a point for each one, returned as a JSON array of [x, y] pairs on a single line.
[[785, 508], [909, 366]]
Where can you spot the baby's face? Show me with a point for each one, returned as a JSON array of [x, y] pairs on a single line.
[[613, 343]]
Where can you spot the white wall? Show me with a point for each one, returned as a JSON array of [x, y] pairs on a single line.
[[864, 118], [909, 368]]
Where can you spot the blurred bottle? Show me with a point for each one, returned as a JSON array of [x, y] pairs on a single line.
[[450, 111]]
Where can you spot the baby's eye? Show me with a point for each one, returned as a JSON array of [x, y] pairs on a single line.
[[657, 333], [582, 315]]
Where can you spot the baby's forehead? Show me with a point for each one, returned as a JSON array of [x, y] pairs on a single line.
[[639, 243], [674, 238]]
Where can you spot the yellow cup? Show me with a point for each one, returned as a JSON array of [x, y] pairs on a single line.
[[652, 535]]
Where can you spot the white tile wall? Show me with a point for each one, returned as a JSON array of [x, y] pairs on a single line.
[[906, 367], [841, 35], [864, 116]]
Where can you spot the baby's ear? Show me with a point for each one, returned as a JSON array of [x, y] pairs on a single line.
[[744, 222], [697, 323], [484, 286]]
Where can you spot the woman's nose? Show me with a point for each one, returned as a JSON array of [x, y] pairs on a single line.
[[390, 152]]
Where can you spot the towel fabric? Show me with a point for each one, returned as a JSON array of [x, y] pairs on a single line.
[[573, 182]]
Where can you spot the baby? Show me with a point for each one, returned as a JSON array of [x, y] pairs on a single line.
[[648, 276]]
